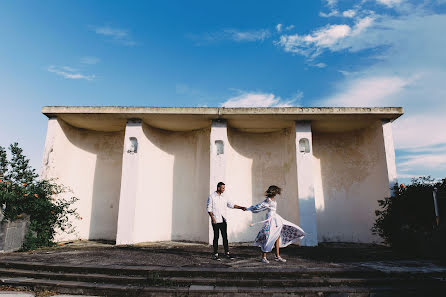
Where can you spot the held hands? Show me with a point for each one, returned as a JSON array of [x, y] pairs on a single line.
[[243, 208]]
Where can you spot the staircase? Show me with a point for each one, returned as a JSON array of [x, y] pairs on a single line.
[[119, 280]]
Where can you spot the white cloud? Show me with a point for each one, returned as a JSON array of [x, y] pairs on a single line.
[[309, 45], [254, 99], [331, 3], [331, 37], [279, 27], [231, 34], [332, 13], [349, 13], [426, 148], [117, 35], [328, 36], [418, 132], [405, 175], [368, 91], [362, 24], [409, 72], [425, 161], [90, 60], [255, 35], [290, 27], [70, 73], [390, 3], [319, 65]]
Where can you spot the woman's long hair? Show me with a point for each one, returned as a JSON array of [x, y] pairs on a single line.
[[273, 191]]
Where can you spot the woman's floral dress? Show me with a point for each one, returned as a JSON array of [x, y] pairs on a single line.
[[274, 227]]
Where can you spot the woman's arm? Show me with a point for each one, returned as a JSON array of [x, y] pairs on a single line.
[[258, 207]]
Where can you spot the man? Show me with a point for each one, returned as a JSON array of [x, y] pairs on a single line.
[[216, 207]]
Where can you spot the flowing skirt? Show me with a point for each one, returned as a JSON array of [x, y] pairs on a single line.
[[274, 227]]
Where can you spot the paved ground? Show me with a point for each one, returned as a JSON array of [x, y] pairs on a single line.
[[183, 254], [32, 294]]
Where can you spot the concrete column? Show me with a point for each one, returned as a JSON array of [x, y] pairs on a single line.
[[390, 154], [53, 127], [218, 151], [129, 182], [305, 183]]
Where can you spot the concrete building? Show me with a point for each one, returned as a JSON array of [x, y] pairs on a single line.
[[143, 174]]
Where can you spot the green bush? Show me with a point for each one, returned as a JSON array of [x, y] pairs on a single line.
[[406, 220], [22, 192]]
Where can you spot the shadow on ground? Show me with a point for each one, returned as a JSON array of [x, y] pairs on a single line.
[[186, 254]]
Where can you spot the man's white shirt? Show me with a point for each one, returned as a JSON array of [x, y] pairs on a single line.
[[217, 204]]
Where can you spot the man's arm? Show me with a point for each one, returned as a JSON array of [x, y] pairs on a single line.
[[212, 217], [232, 205], [240, 207], [209, 209]]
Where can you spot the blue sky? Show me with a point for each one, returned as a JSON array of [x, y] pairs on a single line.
[[229, 53]]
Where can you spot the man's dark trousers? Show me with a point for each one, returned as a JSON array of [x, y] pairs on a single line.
[[220, 227]]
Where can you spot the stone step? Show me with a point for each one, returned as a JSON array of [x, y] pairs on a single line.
[[155, 280], [210, 280], [162, 271], [304, 282], [91, 277], [111, 290]]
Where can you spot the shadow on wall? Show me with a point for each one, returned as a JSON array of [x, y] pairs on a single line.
[[190, 180], [272, 161], [107, 148], [350, 176]]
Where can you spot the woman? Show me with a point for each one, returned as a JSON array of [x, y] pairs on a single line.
[[276, 230]]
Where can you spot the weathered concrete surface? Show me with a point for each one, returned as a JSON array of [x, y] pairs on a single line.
[[305, 182], [350, 177], [183, 254], [113, 118], [254, 162], [169, 182], [186, 269], [16, 294], [8, 292], [12, 234], [89, 163]]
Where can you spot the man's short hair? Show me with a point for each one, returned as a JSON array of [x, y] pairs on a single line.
[[220, 184]]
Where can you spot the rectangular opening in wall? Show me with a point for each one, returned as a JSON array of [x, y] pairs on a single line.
[[220, 147]]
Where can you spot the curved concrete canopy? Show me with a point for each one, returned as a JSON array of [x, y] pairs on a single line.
[[324, 119]]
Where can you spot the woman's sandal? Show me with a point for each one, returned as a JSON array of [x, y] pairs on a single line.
[[280, 259]]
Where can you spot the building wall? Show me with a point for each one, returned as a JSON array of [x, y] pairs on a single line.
[[173, 186], [349, 169], [254, 162], [350, 176], [89, 163]]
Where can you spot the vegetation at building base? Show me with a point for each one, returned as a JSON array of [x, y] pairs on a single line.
[[407, 220], [22, 192]]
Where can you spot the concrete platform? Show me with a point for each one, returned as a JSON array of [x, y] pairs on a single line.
[[186, 269]]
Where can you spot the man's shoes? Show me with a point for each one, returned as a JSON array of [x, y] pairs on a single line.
[[280, 259], [264, 260], [215, 257], [229, 256]]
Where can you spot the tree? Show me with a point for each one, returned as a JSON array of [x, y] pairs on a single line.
[[22, 192], [406, 221]]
